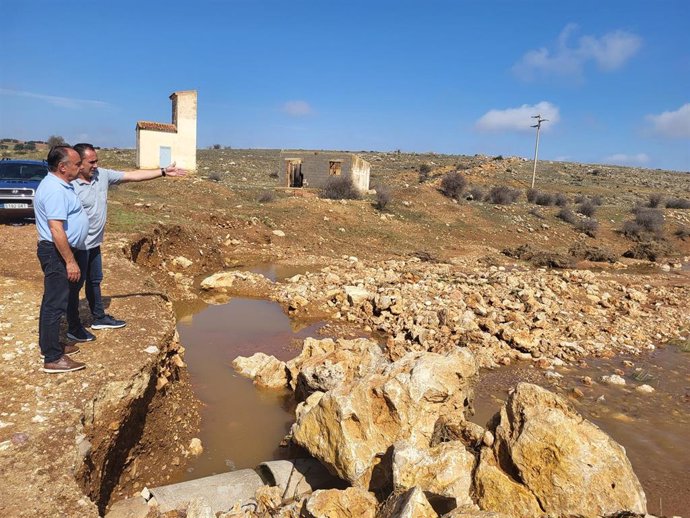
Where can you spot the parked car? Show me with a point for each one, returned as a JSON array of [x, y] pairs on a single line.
[[19, 180]]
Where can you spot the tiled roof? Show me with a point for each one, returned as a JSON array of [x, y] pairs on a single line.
[[156, 126]]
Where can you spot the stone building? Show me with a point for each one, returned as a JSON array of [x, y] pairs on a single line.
[[160, 144], [314, 168]]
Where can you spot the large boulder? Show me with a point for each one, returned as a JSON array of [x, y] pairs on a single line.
[[408, 504], [324, 364], [266, 370], [568, 464], [353, 427], [334, 503], [444, 470]]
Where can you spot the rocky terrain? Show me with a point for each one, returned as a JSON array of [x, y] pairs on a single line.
[[442, 285]]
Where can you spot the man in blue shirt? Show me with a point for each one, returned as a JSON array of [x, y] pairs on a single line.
[[91, 187], [62, 226]]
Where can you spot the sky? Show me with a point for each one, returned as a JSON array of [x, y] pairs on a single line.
[[460, 77]]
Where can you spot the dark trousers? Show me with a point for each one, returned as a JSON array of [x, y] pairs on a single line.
[[91, 266], [56, 291], [94, 277]]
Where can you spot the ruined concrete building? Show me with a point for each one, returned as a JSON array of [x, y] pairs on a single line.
[[159, 144], [313, 169]]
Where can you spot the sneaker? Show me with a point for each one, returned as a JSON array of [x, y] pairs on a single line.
[[81, 335], [64, 364], [108, 322]]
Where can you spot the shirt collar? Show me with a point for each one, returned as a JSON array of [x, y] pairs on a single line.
[[94, 178], [59, 180]]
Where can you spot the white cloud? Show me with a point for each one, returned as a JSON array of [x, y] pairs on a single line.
[[297, 108], [672, 124], [610, 52], [62, 102], [518, 119], [623, 159]]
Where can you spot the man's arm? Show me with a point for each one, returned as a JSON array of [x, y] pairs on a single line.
[[57, 230], [141, 175]]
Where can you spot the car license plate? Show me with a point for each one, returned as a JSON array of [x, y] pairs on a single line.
[[14, 205]]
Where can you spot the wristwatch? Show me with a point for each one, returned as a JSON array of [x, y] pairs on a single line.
[[163, 171]]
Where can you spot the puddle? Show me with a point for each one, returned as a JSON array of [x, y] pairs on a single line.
[[277, 272], [241, 425], [653, 428]]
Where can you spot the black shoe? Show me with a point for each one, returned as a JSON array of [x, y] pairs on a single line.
[[108, 322], [81, 335]]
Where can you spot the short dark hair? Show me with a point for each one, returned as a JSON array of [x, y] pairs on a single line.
[[57, 155], [82, 147]]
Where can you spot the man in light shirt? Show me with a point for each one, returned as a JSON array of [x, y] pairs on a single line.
[[62, 226], [91, 187]]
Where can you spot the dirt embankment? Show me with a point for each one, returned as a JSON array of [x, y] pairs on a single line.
[[68, 444]]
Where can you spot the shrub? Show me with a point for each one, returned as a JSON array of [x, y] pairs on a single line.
[[588, 226], [498, 157], [587, 208], [544, 199], [592, 253], [532, 195], [647, 221], [273, 174], [424, 171], [55, 140], [340, 188], [453, 184], [594, 200], [560, 199], [632, 229], [682, 233], [266, 197], [476, 193], [567, 215], [677, 203], [215, 176], [383, 197], [650, 250], [655, 200], [503, 195], [651, 220]]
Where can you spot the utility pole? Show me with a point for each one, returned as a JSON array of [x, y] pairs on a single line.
[[536, 146]]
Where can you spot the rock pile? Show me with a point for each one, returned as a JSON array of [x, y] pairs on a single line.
[[500, 315], [397, 431]]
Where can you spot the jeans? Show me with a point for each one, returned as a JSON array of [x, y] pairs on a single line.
[[56, 291], [94, 277], [73, 321]]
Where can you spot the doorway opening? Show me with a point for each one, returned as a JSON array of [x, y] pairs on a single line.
[[293, 172]]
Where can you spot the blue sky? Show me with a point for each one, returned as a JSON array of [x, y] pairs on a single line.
[[613, 77]]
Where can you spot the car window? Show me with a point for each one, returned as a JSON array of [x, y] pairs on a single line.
[[22, 171]]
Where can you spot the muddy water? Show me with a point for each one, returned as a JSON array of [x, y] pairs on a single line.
[[654, 428], [240, 424]]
